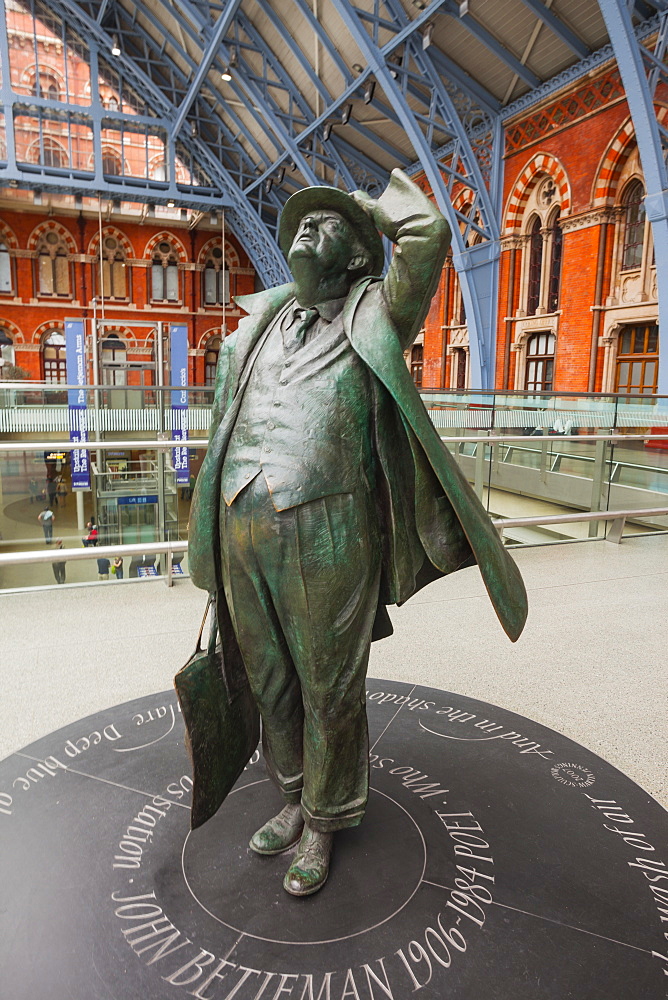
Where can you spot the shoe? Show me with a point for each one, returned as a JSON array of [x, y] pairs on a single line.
[[309, 871], [280, 833]]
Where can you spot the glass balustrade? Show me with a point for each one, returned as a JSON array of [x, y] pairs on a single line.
[[549, 455]]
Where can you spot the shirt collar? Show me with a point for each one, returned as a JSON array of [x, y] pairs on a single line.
[[330, 310]]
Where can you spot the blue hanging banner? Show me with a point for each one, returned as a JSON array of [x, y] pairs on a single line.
[[178, 345], [75, 354]]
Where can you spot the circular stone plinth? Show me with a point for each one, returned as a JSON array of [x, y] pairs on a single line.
[[497, 859]]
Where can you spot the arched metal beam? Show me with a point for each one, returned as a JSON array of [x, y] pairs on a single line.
[[652, 145], [478, 266], [244, 219]]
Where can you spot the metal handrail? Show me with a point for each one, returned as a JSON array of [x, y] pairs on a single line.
[[163, 443], [618, 518], [95, 552]]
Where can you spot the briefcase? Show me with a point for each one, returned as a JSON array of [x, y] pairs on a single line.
[[221, 718]]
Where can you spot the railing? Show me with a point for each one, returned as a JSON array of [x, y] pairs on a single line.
[[530, 484], [618, 518]]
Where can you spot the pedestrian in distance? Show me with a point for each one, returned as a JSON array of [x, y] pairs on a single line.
[[103, 568], [46, 519], [91, 538], [34, 491], [61, 493], [59, 567], [117, 568]]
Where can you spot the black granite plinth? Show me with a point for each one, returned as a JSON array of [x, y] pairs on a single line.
[[497, 860]]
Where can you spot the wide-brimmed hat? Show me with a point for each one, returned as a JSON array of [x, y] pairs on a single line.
[[319, 198]]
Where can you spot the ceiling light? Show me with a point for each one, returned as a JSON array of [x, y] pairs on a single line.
[[394, 72], [358, 68], [170, 203], [369, 91], [420, 4], [280, 175], [214, 219], [234, 58], [226, 75], [115, 47], [346, 113], [426, 37], [268, 185], [463, 7], [328, 131], [193, 130]]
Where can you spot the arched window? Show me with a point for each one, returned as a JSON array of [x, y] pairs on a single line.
[[49, 153], [164, 274], [458, 379], [112, 357], [634, 225], [211, 361], [555, 240], [638, 359], [6, 348], [216, 279], [540, 362], [5, 269], [114, 269], [53, 357], [111, 163], [535, 267], [53, 269], [417, 359], [46, 85]]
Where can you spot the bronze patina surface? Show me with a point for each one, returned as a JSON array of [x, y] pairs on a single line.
[[326, 494]]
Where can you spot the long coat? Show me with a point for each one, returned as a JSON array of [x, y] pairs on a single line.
[[431, 521]]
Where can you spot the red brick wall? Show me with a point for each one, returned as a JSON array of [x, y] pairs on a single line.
[[27, 312]]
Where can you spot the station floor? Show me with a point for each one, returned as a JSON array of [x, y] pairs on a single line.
[[591, 662]]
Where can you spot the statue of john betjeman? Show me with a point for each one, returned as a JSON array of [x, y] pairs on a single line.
[[326, 494]]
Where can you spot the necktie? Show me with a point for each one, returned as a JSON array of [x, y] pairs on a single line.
[[293, 336]]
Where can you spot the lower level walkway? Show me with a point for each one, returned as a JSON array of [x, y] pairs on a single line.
[[590, 664]]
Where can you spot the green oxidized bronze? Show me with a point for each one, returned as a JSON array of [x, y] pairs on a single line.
[[325, 495]]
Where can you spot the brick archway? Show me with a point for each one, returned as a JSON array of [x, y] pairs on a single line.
[[165, 237], [14, 332], [8, 237], [52, 226], [117, 234], [231, 254], [616, 155], [542, 164]]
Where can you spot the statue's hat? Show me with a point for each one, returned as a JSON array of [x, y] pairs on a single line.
[[319, 198]]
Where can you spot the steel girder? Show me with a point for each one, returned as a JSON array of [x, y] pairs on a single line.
[[429, 116], [641, 70], [244, 218]]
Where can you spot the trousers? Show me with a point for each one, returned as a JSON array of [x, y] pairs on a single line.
[[302, 588]]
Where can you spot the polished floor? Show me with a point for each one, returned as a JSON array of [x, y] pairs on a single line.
[[590, 664]]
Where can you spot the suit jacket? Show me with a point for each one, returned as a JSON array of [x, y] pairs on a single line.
[[431, 521]]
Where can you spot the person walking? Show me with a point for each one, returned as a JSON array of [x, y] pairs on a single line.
[[34, 491], [61, 493], [51, 492], [103, 568], [46, 519], [117, 568], [59, 567]]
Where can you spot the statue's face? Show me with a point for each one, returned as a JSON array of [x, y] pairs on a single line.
[[324, 237]]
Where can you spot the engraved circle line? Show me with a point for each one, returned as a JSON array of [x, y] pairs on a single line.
[[344, 937]]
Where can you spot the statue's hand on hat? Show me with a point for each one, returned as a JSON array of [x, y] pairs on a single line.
[[376, 212]]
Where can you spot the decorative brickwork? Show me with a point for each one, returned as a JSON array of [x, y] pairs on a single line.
[[616, 155], [540, 164], [116, 234], [166, 238], [571, 106], [51, 225]]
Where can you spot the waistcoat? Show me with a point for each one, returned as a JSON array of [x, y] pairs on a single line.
[[304, 421]]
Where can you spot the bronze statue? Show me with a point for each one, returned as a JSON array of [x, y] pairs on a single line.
[[326, 494]]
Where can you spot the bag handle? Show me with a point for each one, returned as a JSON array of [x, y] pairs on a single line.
[[198, 648]]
